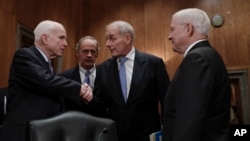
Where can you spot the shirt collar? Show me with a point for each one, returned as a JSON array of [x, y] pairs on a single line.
[[130, 55], [192, 45], [84, 70], [43, 54]]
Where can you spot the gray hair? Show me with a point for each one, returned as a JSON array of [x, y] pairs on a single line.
[[45, 27], [123, 27], [197, 17], [85, 38]]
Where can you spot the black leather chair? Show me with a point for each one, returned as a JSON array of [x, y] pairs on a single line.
[[73, 126]]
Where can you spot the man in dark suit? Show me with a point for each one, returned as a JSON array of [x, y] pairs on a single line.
[[34, 91], [134, 108], [197, 103], [87, 51]]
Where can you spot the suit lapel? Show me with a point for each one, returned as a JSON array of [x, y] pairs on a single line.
[[200, 44], [39, 57], [76, 74], [138, 72], [115, 81]]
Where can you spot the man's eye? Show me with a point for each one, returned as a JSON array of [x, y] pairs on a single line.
[[85, 51], [62, 37], [93, 51]]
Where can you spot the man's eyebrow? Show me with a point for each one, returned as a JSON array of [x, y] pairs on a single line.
[[62, 37], [111, 35]]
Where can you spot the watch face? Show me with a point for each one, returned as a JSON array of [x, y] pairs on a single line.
[[217, 20]]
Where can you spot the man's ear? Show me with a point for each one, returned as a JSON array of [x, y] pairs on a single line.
[[97, 53], [190, 29], [128, 38], [44, 39]]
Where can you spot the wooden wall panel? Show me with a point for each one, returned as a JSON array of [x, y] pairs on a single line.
[[150, 18], [102, 13], [155, 36], [97, 18], [30, 13], [8, 44], [129, 13], [7, 5], [63, 11]]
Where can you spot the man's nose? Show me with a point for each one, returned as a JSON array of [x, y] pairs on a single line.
[[108, 43], [89, 53]]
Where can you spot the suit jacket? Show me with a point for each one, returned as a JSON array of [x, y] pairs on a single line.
[[197, 102], [139, 117], [89, 108], [34, 93]]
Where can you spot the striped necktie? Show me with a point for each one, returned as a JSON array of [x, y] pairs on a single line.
[[87, 79]]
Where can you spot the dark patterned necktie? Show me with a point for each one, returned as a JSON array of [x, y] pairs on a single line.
[[87, 80]]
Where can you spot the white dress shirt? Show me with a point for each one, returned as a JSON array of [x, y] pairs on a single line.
[[129, 64]]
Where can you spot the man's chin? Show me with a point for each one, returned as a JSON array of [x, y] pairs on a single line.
[[89, 64], [114, 54], [59, 54]]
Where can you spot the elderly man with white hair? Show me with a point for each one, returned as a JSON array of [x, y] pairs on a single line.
[[35, 92], [197, 103]]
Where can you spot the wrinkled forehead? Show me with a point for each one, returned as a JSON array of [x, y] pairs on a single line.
[[173, 22], [112, 30], [88, 43]]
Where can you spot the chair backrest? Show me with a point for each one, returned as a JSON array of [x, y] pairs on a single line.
[[3, 101], [73, 126]]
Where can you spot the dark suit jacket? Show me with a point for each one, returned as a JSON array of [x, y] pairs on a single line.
[[34, 93], [139, 117], [197, 102], [70, 105]]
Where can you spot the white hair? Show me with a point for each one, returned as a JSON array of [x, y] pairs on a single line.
[[45, 27], [197, 17], [123, 27]]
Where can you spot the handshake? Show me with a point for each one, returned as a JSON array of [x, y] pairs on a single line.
[[86, 93]]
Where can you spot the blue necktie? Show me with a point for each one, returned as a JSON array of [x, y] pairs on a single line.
[[123, 78], [87, 80]]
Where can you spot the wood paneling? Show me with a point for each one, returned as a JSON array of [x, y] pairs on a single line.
[[8, 44], [30, 13], [150, 19]]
